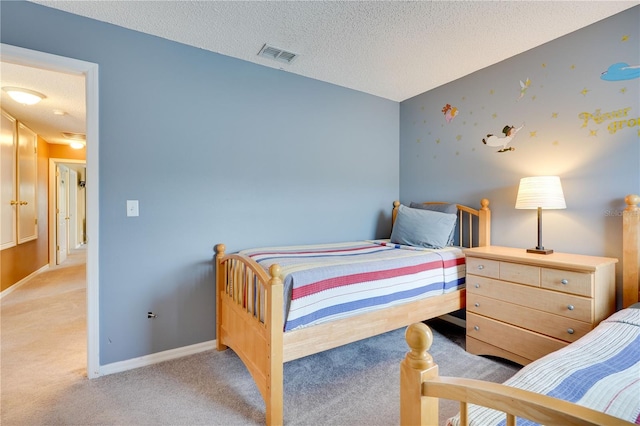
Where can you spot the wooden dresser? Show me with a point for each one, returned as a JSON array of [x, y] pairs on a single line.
[[521, 306]]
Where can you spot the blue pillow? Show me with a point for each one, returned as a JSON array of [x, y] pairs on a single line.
[[444, 208], [422, 228]]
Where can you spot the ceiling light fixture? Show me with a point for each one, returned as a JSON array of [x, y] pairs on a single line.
[[24, 96], [76, 145]]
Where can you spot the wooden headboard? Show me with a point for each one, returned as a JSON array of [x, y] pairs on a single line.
[[631, 251]]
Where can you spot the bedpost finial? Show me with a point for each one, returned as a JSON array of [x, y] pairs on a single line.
[[396, 203], [632, 201], [484, 203], [419, 338], [274, 270], [219, 249]]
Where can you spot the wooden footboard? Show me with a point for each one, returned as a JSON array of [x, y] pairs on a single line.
[[421, 387], [249, 321]]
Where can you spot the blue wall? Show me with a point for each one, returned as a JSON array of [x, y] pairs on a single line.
[[446, 159], [216, 150], [220, 150]]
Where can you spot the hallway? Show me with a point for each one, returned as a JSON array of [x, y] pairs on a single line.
[[43, 332]]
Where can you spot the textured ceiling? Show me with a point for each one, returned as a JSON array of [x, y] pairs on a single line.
[[64, 93], [392, 49]]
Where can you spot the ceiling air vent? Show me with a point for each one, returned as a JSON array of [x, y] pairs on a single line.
[[74, 136], [277, 54]]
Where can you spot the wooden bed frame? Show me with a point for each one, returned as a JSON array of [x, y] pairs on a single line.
[[421, 386], [257, 336]]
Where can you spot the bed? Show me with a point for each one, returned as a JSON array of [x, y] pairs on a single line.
[[593, 381], [277, 304]]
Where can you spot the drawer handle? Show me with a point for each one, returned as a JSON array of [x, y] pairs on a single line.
[[477, 304], [564, 281], [570, 331], [476, 328], [480, 266], [477, 285], [570, 307]]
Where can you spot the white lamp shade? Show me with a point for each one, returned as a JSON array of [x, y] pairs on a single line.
[[540, 191]]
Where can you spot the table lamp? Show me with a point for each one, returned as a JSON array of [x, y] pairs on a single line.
[[540, 192]]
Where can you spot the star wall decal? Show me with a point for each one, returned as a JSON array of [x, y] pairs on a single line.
[[625, 38], [491, 92], [623, 90], [554, 115], [585, 91], [458, 138], [593, 133], [438, 140], [573, 67], [494, 115], [544, 65], [533, 134], [556, 143]]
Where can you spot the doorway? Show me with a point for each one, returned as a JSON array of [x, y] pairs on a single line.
[[46, 61], [68, 212]]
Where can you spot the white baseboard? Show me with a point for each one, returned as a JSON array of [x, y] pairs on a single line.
[[22, 281], [454, 320], [146, 360]]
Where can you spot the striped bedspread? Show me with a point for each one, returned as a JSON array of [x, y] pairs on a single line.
[[323, 282], [600, 371]]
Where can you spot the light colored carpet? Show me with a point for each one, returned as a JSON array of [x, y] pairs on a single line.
[[43, 359]]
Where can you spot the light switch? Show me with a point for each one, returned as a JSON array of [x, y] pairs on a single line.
[[132, 208]]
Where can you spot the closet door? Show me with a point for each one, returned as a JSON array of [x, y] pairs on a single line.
[[27, 179], [8, 193]]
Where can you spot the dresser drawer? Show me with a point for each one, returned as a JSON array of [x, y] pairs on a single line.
[[532, 319], [523, 274], [521, 342], [483, 267], [563, 304], [568, 281]]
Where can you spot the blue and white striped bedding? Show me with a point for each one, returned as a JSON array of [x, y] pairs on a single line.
[[323, 282], [600, 371]]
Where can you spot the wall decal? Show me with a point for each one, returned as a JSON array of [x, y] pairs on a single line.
[[620, 117], [449, 112], [621, 71], [510, 133], [523, 88]]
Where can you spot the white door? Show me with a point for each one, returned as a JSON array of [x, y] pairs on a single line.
[[73, 209], [62, 209], [8, 189]]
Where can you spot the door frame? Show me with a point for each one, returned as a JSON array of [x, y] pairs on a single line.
[[36, 59]]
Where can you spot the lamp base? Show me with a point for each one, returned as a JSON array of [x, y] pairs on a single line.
[[540, 251]]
